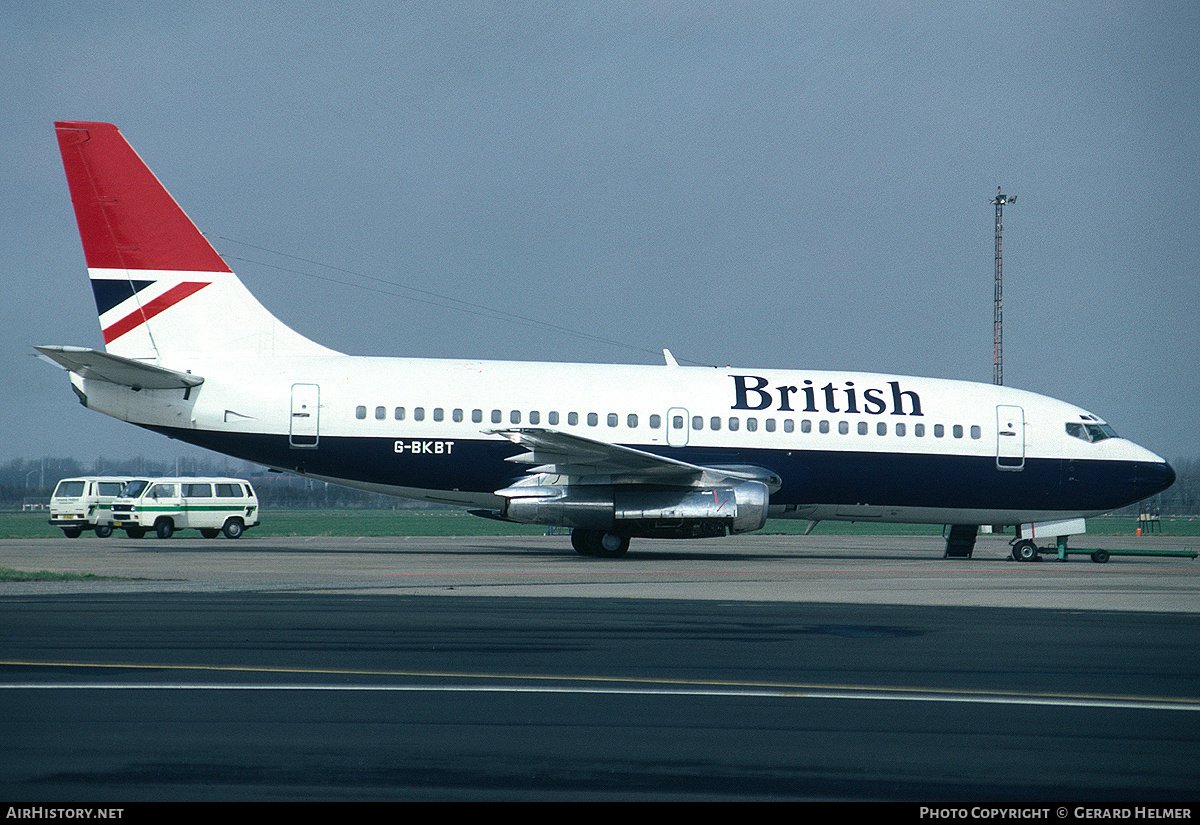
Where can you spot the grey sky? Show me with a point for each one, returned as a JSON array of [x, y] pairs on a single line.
[[762, 184]]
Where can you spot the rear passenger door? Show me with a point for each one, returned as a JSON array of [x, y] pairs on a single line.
[[305, 421]]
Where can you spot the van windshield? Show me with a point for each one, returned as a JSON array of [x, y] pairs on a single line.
[[134, 488]]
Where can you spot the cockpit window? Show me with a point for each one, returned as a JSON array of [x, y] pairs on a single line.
[[1090, 432]]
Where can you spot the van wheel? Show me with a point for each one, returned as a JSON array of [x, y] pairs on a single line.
[[164, 527], [233, 528], [103, 531], [135, 532], [72, 532], [209, 533]]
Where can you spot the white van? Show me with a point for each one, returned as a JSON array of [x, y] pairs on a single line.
[[164, 505], [79, 504]]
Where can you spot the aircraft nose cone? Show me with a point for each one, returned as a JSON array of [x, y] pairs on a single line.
[[1158, 476], [1168, 475]]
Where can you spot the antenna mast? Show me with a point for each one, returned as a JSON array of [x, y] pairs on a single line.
[[998, 310]]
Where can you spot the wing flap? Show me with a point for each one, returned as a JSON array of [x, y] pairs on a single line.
[[558, 453]]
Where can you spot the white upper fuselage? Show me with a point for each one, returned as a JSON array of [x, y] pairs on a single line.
[[439, 407]]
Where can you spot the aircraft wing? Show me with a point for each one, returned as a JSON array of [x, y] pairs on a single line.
[[559, 453], [91, 363]]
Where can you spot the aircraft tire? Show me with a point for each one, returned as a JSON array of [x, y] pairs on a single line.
[[611, 545], [1025, 551], [581, 541]]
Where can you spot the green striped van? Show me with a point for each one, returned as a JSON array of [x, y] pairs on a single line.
[[164, 505]]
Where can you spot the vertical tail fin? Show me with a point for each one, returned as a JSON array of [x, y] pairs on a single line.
[[161, 289]]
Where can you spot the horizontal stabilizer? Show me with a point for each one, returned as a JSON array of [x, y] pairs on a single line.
[[93, 364]]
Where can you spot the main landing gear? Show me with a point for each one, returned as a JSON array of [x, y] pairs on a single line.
[[599, 543]]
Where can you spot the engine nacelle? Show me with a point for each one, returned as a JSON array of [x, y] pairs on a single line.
[[635, 510]]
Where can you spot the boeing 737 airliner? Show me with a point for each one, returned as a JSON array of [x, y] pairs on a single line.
[[612, 451]]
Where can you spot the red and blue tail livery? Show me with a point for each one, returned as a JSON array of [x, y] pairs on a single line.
[[613, 451]]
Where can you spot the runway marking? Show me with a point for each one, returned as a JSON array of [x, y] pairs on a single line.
[[616, 685]]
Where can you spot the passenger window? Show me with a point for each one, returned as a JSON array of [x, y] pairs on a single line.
[[613, 419], [715, 423], [697, 422], [938, 430], [976, 433], [631, 421], [457, 415], [380, 413], [514, 417], [655, 422], [900, 430], [535, 417], [881, 428], [552, 418], [844, 427], [593, 419], [958, 431], [399, 413], [733, 423], [677, 422], [477, 416], [770, 425], [787, 425], [919, 430], [823, 426], [197, 490], [573, 419], [360, 412], [497, 416], [438, 414], [418, 413], [806, 426], [862, 428], [751, 425], [229, 491]]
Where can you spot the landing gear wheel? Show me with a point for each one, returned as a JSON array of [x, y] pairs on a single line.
[[611, 546], [580, 540], [1025, 551], [599, 543]]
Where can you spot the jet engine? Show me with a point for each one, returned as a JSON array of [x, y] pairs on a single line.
[[642, 511]]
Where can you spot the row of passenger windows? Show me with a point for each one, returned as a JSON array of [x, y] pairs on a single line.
[[716, 422]]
